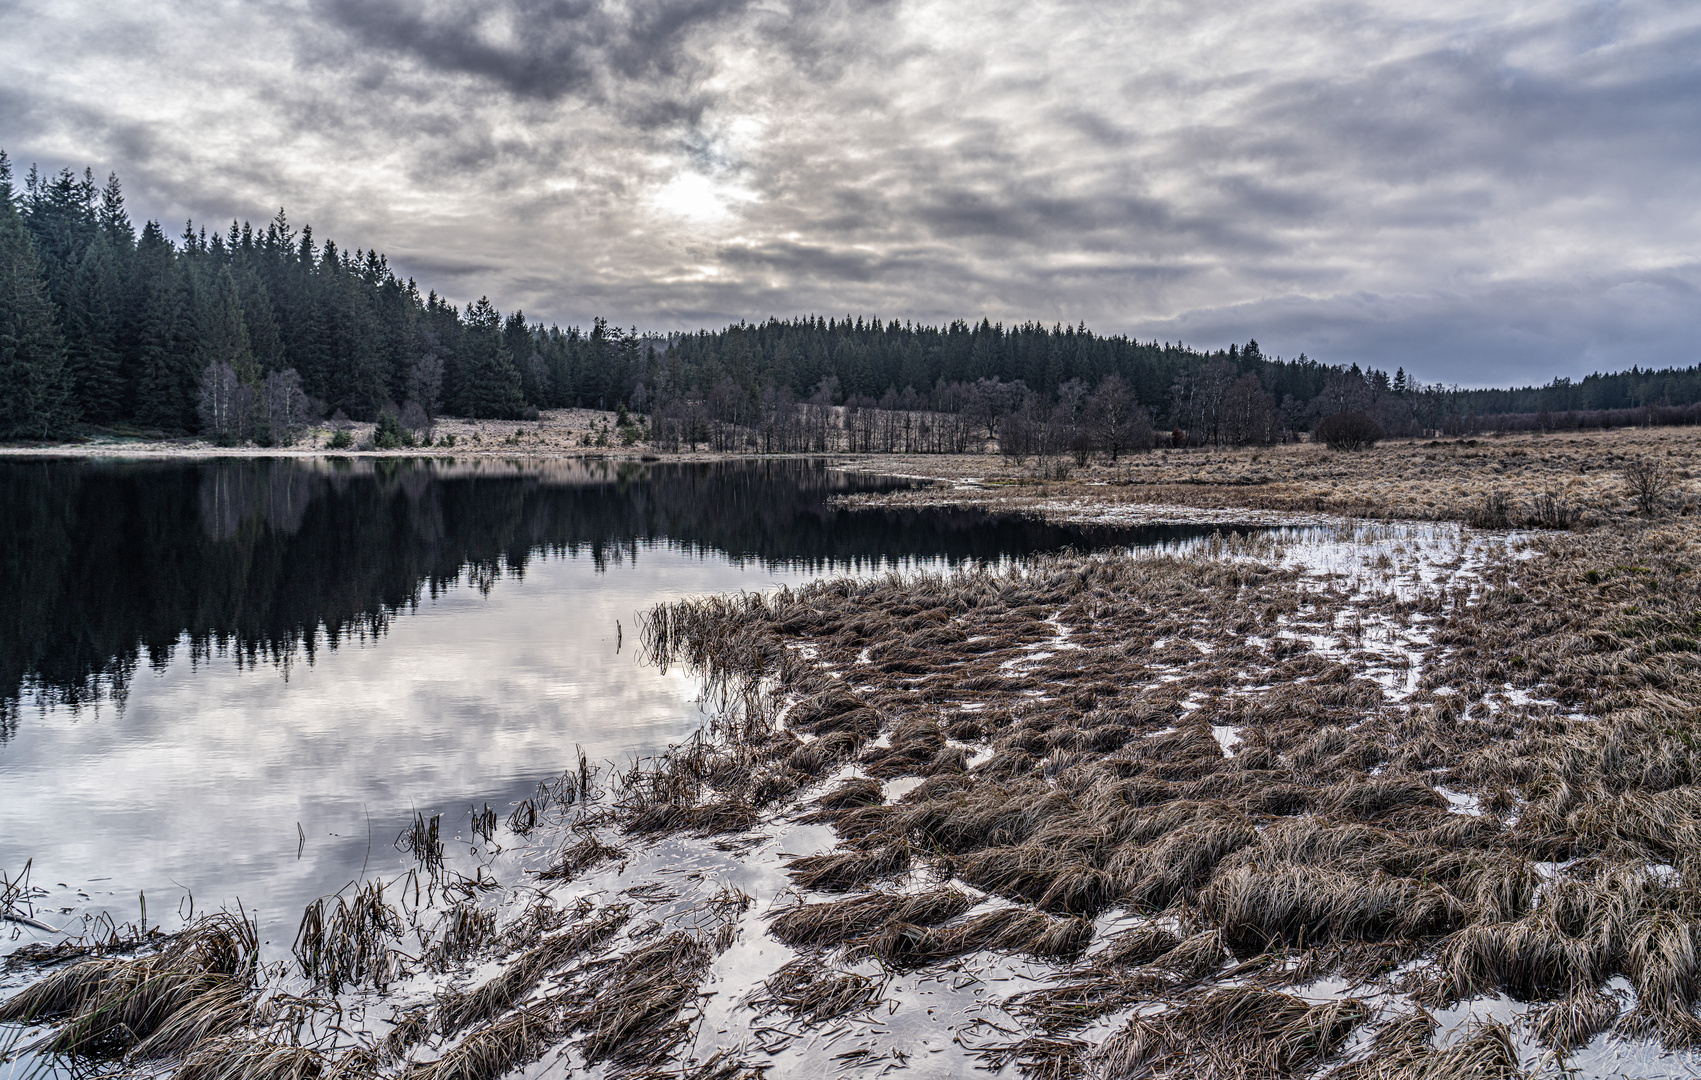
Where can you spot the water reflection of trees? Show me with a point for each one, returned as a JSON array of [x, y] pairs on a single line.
[[105, 567]]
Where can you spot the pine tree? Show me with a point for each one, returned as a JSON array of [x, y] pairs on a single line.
[[35, 388]]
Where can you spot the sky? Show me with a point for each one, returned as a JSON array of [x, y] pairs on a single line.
[[1480, 192]]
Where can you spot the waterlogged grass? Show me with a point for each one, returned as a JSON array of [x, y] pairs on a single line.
[[1385, 802]]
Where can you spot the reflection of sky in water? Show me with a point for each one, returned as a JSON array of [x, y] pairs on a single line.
[[129, 576], [199, 784]]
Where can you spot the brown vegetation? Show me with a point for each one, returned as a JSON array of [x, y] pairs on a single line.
[[1426, 789], [1530, 475]]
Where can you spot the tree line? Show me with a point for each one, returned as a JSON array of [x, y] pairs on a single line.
[[252, 333]]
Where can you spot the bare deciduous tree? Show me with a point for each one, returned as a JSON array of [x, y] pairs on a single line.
[[285, 408], [226, 408], [1249, 413], [1115, 419]]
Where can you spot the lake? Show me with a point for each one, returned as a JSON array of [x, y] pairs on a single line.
[[236, 680]]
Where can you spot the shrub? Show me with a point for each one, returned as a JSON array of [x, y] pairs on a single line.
[[1650, 483], [1552, 511], [1493, 512], [340, 440], [1348, 431]]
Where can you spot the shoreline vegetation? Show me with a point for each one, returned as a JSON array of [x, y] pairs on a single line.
[[1515, 479], [1410, 798]]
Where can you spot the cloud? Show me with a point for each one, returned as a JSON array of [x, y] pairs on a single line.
[[1471, 193]]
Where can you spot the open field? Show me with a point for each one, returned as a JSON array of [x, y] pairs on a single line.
[[1384, 799]]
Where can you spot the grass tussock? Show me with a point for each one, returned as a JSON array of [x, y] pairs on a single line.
[[1230, 1033], [1007, 930], [248, 1058], [840, 921], [1299, 907], [632, 1017], [587, 852], [495, 1049], [815, 994], [521, 975], [194, 987]]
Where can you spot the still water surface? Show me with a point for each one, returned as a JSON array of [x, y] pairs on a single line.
[[235, 681]]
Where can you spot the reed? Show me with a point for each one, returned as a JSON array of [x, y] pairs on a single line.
[[350, 941]]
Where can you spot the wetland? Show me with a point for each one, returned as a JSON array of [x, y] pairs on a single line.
[[724, 769]]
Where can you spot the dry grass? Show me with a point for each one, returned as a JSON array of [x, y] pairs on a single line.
[[1489, 480], [632, 1015], [815, 994], [843, 920], [1230, 1033], [1556, 692], [196, 986], [1486, 782]]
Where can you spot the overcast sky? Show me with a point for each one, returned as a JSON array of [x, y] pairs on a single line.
[[1481, 192]]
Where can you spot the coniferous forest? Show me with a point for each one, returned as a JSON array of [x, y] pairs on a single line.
[[251, 333]]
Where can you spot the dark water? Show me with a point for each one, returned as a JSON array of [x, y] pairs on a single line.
[[236, 679]]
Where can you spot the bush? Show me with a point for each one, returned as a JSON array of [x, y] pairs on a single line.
[[1650, 483], [340, 440], [1551, 511], [1347, 431], [1493, 512]]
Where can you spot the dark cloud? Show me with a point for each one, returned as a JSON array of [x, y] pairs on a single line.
[[1469, 193], [530, 48]]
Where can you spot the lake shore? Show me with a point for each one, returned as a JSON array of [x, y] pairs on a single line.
[[1573, 478], [1374, 798]]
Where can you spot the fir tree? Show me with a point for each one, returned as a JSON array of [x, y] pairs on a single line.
[[165, 335]]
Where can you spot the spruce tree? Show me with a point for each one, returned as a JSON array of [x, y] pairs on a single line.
[[223, 333], [166, 335], [95, 308], [35, 388], [262, 324], [490, 383]]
